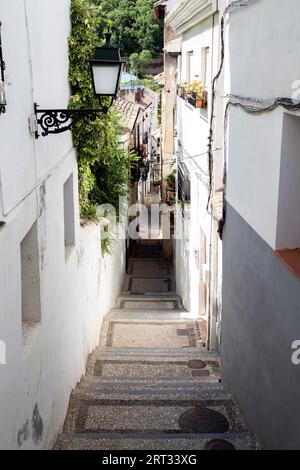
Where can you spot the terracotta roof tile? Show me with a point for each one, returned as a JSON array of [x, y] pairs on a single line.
[[129, 112]]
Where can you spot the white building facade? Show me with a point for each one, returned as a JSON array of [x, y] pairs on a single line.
[[55, 286], [197, 245], [261, 290], [167, 81]]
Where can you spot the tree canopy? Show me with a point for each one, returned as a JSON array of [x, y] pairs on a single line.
[[139, 62], [133, 25]]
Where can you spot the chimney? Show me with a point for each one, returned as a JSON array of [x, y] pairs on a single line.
[[138, 95]]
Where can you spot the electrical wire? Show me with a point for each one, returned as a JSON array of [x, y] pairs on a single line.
[[249, 105], [255, 107], [258, 107], [229, 8], [192, 157]]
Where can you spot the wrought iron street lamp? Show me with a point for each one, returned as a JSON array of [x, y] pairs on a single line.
[[2, 79], [106, 68]]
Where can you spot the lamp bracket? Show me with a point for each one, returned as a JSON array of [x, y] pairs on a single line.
[[57, 121]]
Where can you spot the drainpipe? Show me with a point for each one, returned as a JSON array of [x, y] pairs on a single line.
[[213, 258], [213, 289], [209, 288]]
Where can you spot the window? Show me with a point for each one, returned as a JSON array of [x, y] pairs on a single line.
[[184, 184], [2, 353], [69, 214], [206, 68], [206, 76], [288, 218], [189, 66], [30, 277]]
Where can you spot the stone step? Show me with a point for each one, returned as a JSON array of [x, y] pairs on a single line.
[[183, 392], [148, 249], [142, 333], [163, 260], [149, 267], [149, 242], [178, 442], [148, 376], [148, 284], [153, 301], [149, 245], [147, 382], [149, 254], [146, 296], [204, 415], [159, 296], [177, 315], [157, 354], [136, 356], [145, 368]]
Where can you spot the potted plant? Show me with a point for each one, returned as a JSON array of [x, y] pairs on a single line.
[[170, 198], [197, 95], [182, 90], [171, 181]]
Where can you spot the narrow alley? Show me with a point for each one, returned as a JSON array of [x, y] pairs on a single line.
[[151, 384], [149, 228]]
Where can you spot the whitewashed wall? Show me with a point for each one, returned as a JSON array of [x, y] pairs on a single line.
[[260, 294], [44, 360], [260, 64], [193, 130]]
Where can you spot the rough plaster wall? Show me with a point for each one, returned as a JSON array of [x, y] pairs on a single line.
[[260, 317], [260, 321], [262, 41], [45, 360], [193, 130]]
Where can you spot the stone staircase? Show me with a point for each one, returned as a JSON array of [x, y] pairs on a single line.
[[150, 384]]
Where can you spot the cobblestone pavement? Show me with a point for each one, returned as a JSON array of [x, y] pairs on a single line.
[[151, 384]]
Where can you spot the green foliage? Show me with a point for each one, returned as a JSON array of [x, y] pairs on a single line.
[[135, 62], [140, 62], [145, 59], [171, 180], [103, 166], [134, 26], [149, 82]]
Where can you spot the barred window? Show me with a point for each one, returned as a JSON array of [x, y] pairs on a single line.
[[184, 183]]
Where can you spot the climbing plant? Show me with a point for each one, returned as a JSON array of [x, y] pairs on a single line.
[[103, 166]]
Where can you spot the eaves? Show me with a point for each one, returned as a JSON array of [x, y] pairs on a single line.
[[189, 13]]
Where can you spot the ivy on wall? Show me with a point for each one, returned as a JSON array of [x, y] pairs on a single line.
[[103, 166]]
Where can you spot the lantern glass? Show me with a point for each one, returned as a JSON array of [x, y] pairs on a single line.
[[106, 78]]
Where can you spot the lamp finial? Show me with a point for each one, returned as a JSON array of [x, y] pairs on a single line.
[[108, 37]]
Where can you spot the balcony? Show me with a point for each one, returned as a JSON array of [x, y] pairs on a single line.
[[198, 99]]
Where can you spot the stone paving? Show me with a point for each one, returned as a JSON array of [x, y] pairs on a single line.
[[151, 384]]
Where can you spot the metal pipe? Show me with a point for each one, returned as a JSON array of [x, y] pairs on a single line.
[[2, 63], [2, 82]]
